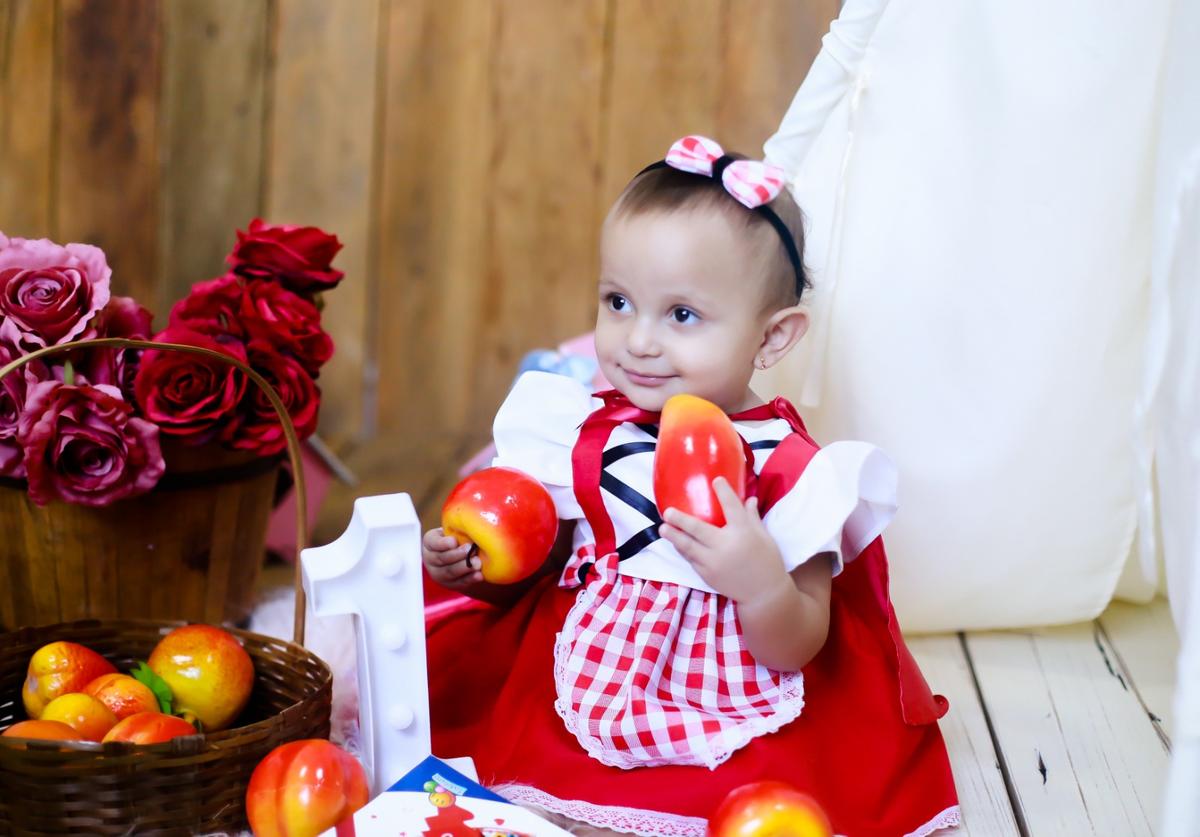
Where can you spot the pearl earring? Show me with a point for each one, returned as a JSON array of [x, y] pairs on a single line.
[[762, 363]]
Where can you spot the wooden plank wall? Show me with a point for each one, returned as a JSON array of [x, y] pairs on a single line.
[[464, 151]]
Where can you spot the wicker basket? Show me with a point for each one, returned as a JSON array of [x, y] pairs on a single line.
[[184, 786]]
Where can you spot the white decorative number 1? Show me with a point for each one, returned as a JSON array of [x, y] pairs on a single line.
[[373, 572]]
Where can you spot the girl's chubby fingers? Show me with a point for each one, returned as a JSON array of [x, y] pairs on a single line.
[[731, 503], [462, 572], [465, 569], [694, 527], [458, 554], [688, 546], [437, 540]]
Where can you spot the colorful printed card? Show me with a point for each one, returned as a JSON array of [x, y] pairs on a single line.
[[435, 800]]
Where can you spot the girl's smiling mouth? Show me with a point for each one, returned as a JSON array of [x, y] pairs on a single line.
[[646, 380]]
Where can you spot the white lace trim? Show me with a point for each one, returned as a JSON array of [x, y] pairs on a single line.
[[949, 818], [719, 748], [656, 823], [614, 817]]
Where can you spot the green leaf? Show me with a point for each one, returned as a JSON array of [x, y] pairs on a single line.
[[144, 674], [69, 374]]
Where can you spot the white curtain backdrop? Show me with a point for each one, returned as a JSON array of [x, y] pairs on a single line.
[[1172, 394], [980, 180]]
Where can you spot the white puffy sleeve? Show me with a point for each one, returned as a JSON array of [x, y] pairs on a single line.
[[844, 499], [536, 429]]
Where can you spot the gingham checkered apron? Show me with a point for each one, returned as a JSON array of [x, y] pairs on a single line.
[[651, 672]]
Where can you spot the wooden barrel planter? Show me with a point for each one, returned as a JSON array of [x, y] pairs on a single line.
[[190, 549]]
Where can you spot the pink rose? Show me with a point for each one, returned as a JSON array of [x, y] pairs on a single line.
[[299, 257], [84, 445], [188, 395], [50, 292], [13, 388], [259, 429]]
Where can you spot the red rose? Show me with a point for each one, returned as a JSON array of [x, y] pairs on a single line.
[[188, 395], [213, 307], [50, 292], [84, 445], [122, 317], [249, 309], [289, 322], [259, 429], [299, 257], [13, 388]]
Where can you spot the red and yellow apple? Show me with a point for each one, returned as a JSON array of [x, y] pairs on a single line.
[[59, 668], [149, 728], [696, 444], [83, 713], [769, 809], [303, 788], [122, 694], [51, 730], [209, 673], [511, 518]]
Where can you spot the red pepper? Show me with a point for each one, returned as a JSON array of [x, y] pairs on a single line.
[[696, 444]]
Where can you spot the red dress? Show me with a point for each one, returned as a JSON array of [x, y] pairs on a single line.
[[865, 744]]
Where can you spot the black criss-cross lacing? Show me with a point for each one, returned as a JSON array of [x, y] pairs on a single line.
[[637, 501], [630, 496]]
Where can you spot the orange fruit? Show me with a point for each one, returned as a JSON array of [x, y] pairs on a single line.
[[209, 673], [149, 728], [122, 694], [55, 730], [59, 668], [83, 713]]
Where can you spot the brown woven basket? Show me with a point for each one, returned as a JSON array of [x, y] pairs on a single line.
[[189, 785], [184, 786]]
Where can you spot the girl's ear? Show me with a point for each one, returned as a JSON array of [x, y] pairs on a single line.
[[783, 330]]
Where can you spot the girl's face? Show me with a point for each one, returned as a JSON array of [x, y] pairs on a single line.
[[681, 308]]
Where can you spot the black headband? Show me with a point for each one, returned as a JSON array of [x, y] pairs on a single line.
[[785, 235]]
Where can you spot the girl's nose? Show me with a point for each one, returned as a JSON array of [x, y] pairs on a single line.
[[643, 339]]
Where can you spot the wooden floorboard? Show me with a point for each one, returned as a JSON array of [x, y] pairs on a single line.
[[1147, 647], [977, 775], [1082, 754]]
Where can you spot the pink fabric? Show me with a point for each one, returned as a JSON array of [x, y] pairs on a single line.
[[281, 530], [751, 182]]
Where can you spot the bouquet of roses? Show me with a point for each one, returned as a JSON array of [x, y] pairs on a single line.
[[85, 426]]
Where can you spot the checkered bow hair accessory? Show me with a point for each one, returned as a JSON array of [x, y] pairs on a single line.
[[752, 182]]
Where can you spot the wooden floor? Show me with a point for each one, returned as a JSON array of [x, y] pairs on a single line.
[[1059, 731], [1055, 731]]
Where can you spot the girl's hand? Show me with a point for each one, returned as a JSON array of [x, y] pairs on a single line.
[[450, 564], [740, 559]]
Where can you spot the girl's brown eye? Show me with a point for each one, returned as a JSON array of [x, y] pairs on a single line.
[[617, 302], [684, 315]]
